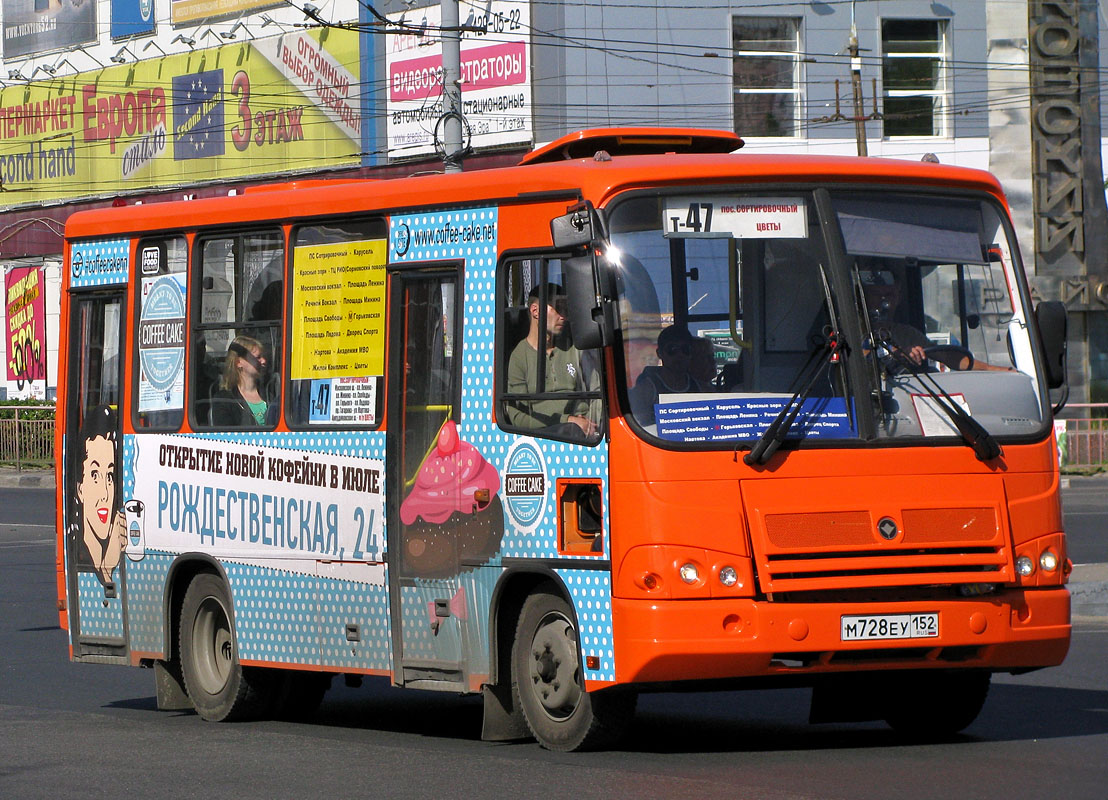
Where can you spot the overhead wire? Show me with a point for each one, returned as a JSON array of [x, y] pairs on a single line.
[[962, 102]]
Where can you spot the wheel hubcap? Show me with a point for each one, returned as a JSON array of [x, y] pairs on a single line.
[[213, 645], [553, 666]]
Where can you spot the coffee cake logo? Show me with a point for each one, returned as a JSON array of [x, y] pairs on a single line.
[[525, 485]]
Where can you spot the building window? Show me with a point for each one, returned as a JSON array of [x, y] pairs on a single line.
[[767, 75], [913, 72]]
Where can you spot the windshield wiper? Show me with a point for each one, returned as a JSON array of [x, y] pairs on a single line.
[[822, 357], [984, 445]]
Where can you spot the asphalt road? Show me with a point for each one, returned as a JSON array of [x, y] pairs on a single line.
[[69, 729], [1085, 506]]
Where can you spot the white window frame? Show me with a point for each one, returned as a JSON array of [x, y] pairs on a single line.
[[940, 95], [797, 90]]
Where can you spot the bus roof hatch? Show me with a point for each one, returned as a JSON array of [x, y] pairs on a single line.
[[634, 141]]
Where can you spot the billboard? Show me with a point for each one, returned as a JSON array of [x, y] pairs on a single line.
[[132, 18], [495, 71], [39, 26], [184, 11], [25, 331], [270, 105]]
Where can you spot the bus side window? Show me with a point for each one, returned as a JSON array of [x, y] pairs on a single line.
[[337, 324], [158, 393], [557, 396], [237, 334]]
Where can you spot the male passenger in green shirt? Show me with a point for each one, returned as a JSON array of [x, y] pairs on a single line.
[[563, 373]]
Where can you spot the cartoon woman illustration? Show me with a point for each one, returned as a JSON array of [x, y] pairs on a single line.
[[99, 526]]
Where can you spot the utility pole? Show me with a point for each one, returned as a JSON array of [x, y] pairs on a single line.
[[451, 86], [856, 84]]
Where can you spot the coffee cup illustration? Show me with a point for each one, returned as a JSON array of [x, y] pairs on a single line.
[[136, 536]]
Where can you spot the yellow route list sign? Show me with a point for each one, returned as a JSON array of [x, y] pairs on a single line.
[[339, 310]]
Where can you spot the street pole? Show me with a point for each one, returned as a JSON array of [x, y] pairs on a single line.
[[451, 87], [856, 84]]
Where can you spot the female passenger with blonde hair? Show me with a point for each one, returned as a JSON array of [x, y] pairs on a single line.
[[240, 401]]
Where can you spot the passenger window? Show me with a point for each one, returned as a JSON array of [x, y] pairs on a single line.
[[237, 344], [159, 375], [337, 319], [548, 387]]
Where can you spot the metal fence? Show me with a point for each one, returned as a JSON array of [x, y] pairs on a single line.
[[26, 440], [1084, 441]]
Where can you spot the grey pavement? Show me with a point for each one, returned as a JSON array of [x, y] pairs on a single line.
[[1088, 583], [30, 478]]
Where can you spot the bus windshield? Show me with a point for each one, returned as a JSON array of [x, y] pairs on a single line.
[[732, 307]]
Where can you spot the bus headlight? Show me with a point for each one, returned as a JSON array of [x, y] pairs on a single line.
[[689, 573], [1048, 561], [1025, 567], [728, 576]]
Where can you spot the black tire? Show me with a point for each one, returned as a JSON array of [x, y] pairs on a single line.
[[936, 705], [547, 681], [220, 688]]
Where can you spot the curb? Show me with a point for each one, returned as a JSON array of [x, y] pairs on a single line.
[[26, 479]]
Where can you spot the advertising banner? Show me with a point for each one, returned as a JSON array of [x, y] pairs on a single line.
[[253, 503], [25, 306], [39, 26], [495, 71], [289, 102], [339, 310], [182, 11], [132, 18]]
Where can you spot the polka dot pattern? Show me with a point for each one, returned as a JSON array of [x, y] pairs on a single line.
[[286, 615], [145, 596], [591, 592], [100, 616], [99, 263]]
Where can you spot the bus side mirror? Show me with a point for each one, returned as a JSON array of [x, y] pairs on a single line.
[[1051, 316], [588, 311], [574, 228]]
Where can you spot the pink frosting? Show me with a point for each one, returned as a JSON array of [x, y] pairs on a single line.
[[446, 482]]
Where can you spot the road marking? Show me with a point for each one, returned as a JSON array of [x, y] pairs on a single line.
[[28, 524], [26, 543]]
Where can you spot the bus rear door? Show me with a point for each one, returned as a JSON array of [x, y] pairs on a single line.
[[95, 520]]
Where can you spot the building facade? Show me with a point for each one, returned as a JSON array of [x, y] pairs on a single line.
[[132, 101]]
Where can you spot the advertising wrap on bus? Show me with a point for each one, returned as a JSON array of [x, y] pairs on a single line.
[[700, 420]]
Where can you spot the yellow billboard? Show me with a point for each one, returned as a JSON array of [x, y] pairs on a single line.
[[288, 102]]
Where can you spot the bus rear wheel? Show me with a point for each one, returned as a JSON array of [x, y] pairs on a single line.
[[220, 688], [547, 680], [934, 705]]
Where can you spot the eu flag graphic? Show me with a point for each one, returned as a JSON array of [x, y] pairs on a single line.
[[198, 115]]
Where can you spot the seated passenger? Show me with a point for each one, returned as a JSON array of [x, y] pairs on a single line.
[[674, 376], [240, 402], [702, 363], [563, 373]]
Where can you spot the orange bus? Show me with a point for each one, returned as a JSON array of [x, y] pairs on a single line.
[[640, 413]]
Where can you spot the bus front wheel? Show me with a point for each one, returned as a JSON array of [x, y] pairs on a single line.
[[546, 676], [219, 687]]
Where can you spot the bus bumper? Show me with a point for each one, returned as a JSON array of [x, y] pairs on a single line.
[[675, 640]]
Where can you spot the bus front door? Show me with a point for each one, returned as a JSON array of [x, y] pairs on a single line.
[[424, 587], [95, 520]]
